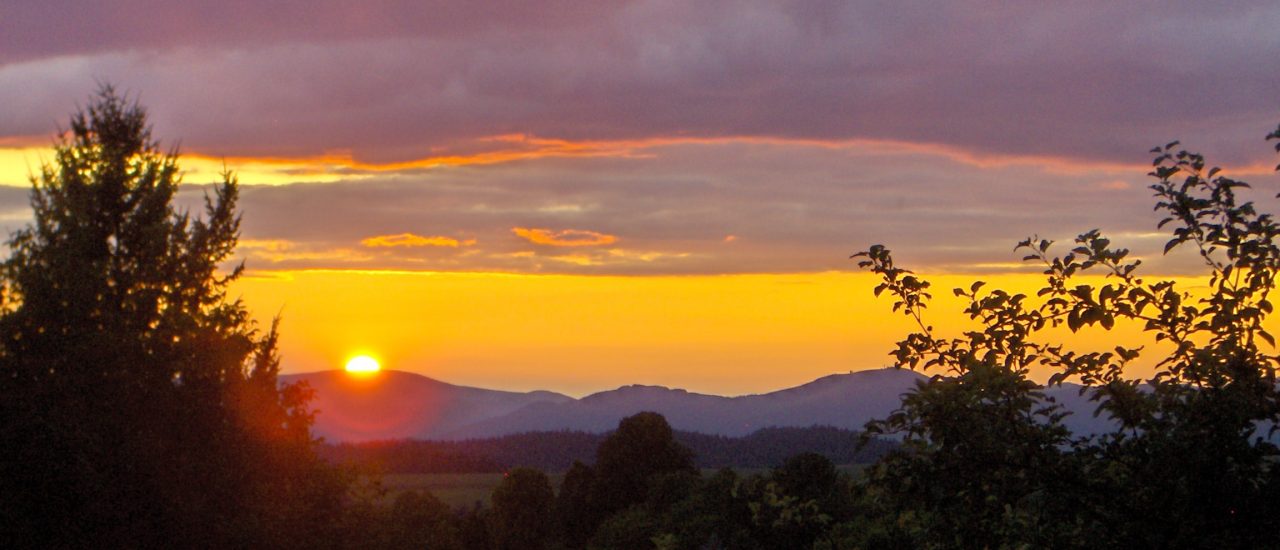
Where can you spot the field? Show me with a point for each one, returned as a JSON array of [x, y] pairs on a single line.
[[454, 489], [467, 489]]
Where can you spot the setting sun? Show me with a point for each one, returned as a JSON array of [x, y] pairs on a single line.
[[362, 364]]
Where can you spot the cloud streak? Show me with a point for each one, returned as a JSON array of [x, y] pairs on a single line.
[[564, 237], [411, 240]]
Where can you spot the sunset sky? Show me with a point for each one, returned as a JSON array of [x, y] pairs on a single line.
[[578, 195]]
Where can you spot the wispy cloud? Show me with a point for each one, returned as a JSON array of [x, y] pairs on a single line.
[[564, 237], [281, 251], [410, 240]]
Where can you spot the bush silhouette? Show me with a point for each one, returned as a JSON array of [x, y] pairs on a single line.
[[987, 461]]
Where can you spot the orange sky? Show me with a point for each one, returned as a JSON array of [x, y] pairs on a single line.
[[728, 334], [721, 334], [567, 302], [515, 197], [721, 329]]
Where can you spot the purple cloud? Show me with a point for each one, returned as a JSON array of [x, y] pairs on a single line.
[[394, 81]]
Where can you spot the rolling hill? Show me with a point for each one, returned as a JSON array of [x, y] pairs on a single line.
[[403, 405], [839, 400]]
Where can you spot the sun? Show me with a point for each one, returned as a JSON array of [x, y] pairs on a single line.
[[363, 365]]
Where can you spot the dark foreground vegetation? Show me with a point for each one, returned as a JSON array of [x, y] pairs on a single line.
[[557, 451], [140, 408], [643, 491]]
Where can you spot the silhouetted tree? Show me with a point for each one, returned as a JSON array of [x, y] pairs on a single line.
[[575, 509], [633, 528], [420, 520], [808, 476], [139, 407], [716, 515], [522, 510], [641, 447], [474, 528], [1191, 465]]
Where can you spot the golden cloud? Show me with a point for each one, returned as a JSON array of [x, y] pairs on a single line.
[[1111, 185], [645, 256], [412, 240], [280, 250], [501, 149], [267, 245], [566, 237]]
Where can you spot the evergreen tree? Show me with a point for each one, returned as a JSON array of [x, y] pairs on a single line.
[[139, 406]]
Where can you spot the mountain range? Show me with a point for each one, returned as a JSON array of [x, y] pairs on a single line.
[[403, 405]]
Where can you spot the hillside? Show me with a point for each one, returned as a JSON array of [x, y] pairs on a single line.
[[402, 405], [844, 401]]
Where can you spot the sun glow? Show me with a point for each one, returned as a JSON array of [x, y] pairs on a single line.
[[491, 330], [363, 365]]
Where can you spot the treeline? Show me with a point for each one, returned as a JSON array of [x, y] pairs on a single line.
[[557, 451], [642, 490]]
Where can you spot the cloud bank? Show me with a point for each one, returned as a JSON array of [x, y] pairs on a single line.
[[654, 136], [397, 80]]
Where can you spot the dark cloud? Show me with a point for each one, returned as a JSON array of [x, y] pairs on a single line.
[[398, 80], [68, 27]]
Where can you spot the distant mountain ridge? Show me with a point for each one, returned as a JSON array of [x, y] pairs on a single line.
[[556, 451], [840, 400], [402, 405]]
